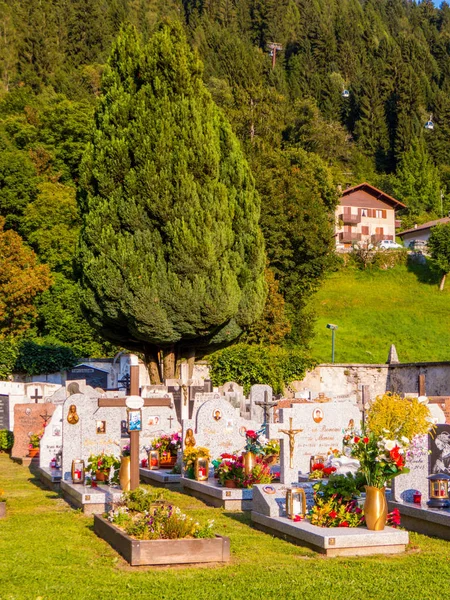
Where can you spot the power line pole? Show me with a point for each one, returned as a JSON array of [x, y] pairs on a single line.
[[274, 47]]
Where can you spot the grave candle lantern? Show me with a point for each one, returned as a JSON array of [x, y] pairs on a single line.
[[153, 459], [439, 491], [78, 471], [295, 502], [201, 469]]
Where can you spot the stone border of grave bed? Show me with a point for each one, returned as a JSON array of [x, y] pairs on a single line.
[[162, 552]]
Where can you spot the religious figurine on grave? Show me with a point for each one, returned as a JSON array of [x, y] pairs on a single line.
[[291, 433], [189, 440], [72, 417]]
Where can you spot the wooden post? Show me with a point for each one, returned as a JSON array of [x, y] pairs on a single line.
[[134, 435], [422, 389]]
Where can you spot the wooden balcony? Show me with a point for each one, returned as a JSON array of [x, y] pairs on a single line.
[[347, 237], [350, 219]]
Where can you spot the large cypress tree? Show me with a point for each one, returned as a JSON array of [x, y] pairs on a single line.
[[171, 255]]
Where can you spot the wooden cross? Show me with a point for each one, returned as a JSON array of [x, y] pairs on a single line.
[[291, 433], [134, 435], [36, 397], [431, 399], [266, 405]]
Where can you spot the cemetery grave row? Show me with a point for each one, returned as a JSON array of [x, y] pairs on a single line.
[[80, 421]]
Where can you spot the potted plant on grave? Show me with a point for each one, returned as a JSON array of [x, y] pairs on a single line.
[[100, 466], [33, 446], [271, 452], [163, 530], [2, 504], [190, 455], [230, 470], [320, 471], [168, 446], [382, 446], [6, 440], [254, 446]]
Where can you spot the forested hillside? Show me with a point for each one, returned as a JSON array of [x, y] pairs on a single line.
[[303, 135]]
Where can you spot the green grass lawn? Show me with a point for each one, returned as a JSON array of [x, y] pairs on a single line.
[[49, 551], [374, 309]]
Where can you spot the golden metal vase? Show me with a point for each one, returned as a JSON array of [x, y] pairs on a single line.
[[249, 462], [125, 473], [375, 508]]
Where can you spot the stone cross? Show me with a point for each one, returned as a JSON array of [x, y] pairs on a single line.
[[170, 419], [291, 433], [134, 435], [36, 396], [266, 405]]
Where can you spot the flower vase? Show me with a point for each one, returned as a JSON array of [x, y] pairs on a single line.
[[230, 483], [125, 473], [33, 452], [375, 508], [249, 462]]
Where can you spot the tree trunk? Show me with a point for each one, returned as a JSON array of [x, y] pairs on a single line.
[[169, 363], [191, 361], [441, 287], [152, 361]]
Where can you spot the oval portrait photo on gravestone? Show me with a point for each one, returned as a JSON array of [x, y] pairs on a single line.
[[317, 415]]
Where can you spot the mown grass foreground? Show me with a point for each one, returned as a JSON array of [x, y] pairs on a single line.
[[49, 552], [376, 308]]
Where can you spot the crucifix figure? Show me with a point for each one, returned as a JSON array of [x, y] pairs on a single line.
[[125, 381], [46, 418], [291, 433], [266, 405], [36, 396]]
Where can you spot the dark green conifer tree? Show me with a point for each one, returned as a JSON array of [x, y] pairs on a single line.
[[171, 255]]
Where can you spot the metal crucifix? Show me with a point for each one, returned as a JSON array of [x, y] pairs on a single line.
[[266, 406]]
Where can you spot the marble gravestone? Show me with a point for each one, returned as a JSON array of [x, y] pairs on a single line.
[[101, 429], [218, 426], [29, 419], [322, 426], [4, 412], [257, 394], [420, 460], [417, 461], [51, 441]]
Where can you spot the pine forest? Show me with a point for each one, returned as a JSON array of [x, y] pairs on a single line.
[[169, 169]]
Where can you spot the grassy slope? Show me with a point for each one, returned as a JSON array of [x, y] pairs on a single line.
[[402, 305], [49, 551]]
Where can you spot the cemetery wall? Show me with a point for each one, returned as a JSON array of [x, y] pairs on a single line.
[[346, 380]]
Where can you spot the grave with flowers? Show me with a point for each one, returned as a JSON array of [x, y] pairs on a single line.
[[225, 454], [336, 519], [423, 504], [162, 466]]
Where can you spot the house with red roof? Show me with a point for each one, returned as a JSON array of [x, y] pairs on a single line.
[[365, 214]]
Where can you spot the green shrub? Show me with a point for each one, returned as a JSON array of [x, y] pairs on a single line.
[[248, 365], [35, 359], [8, 357], [6, 439]]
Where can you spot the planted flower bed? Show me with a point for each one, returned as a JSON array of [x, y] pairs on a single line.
[[148, 531]]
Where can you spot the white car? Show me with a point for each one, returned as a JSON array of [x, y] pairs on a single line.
[[389, 245]]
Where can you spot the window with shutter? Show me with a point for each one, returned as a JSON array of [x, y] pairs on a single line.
[[365, 229]]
